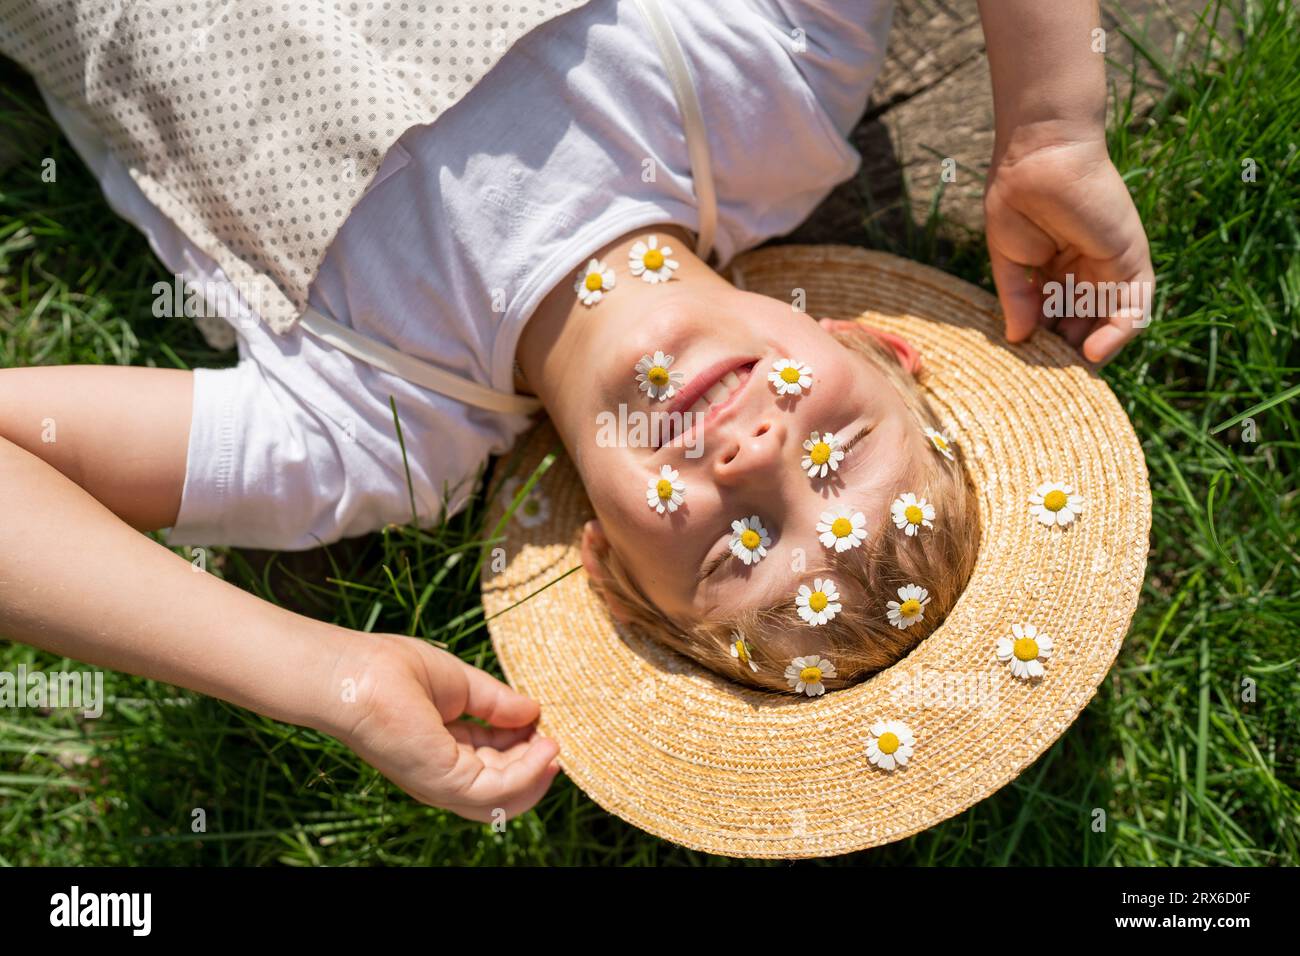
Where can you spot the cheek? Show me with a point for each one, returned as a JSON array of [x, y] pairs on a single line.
[[837, 372], [836, 397], [637, 529]]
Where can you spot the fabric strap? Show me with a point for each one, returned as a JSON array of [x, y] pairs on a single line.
[[414, 370], [419, 372], [688, 104]]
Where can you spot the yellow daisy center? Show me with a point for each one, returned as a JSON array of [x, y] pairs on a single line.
[[1054, 500], [657, 376], [653, 259], [820, 454], [913, 514], [789, 375], [594, 281], [664, 489], [817, 601], [811, 675], [1025, 649], [888, 742], [841, 527], [939, 443], [749, 538], [910, 608], [742, 652]]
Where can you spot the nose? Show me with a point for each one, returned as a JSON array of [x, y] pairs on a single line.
[[752, 455]]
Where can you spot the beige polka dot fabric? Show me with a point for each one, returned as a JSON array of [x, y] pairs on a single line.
[[255, 125]]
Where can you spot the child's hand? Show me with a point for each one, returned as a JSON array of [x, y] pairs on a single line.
[[1061, 207], [398, 700]]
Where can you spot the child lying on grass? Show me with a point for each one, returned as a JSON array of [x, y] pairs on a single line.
[[536, 182]]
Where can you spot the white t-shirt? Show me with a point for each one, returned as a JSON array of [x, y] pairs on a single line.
[[469, 224]]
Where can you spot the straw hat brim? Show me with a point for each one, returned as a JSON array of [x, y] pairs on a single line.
[[694, 758]]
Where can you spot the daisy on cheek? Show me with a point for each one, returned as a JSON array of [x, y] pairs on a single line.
[[749, 539], [654, 378], [789, 377], [822, 454], [665, 493]]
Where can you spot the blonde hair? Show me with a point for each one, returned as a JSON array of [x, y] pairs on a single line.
[[860, 640]]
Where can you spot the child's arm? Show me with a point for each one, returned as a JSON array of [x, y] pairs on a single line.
[[1053, 200], [76, 580], [72, 417]]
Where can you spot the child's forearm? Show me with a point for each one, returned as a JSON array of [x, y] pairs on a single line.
[[74, 579], [1047, 70]]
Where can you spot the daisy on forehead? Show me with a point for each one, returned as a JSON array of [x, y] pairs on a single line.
[[746, 541]]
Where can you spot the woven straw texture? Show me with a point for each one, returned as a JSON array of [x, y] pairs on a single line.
[[693, 758]]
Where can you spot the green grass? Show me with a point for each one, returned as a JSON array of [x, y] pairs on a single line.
[[1186, 771]]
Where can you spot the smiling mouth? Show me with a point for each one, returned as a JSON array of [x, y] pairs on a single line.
[[713, 390]]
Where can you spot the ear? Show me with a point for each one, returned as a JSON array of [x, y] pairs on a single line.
[[907, 354], [594, 550]]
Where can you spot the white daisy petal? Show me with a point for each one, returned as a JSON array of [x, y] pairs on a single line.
[[911, 513], [533, 510], [822, 454], [651, 262], [806, 675], [1025, 651], [940, 442], [655, 378], [789, 377], [749, 539], [1055, 503], [741, 651], [909, 608], [818, 604], [593, 282], [890, 745], [666, 491]]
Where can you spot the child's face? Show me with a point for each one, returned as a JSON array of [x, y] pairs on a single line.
[[744, 458]]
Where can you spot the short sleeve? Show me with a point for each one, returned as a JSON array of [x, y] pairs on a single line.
[[838, 47], [267, 469]]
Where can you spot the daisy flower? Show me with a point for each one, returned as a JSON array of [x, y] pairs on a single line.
[[806, 674], [941, 442], [533, 510], [822, 454], [890, 744], [842, 528], [910, 606], [911, 513], [749, 539], [647, 260], [593, 282], [655, 380], [740, 651], [1025, 650], [1054, 502], [818, 604], [790, 377], [665, 492]]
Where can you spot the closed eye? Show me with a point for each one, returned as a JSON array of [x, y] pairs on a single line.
[[714, 563], [860, 434]]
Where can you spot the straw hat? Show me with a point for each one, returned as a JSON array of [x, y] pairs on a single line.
[[696, 759]]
